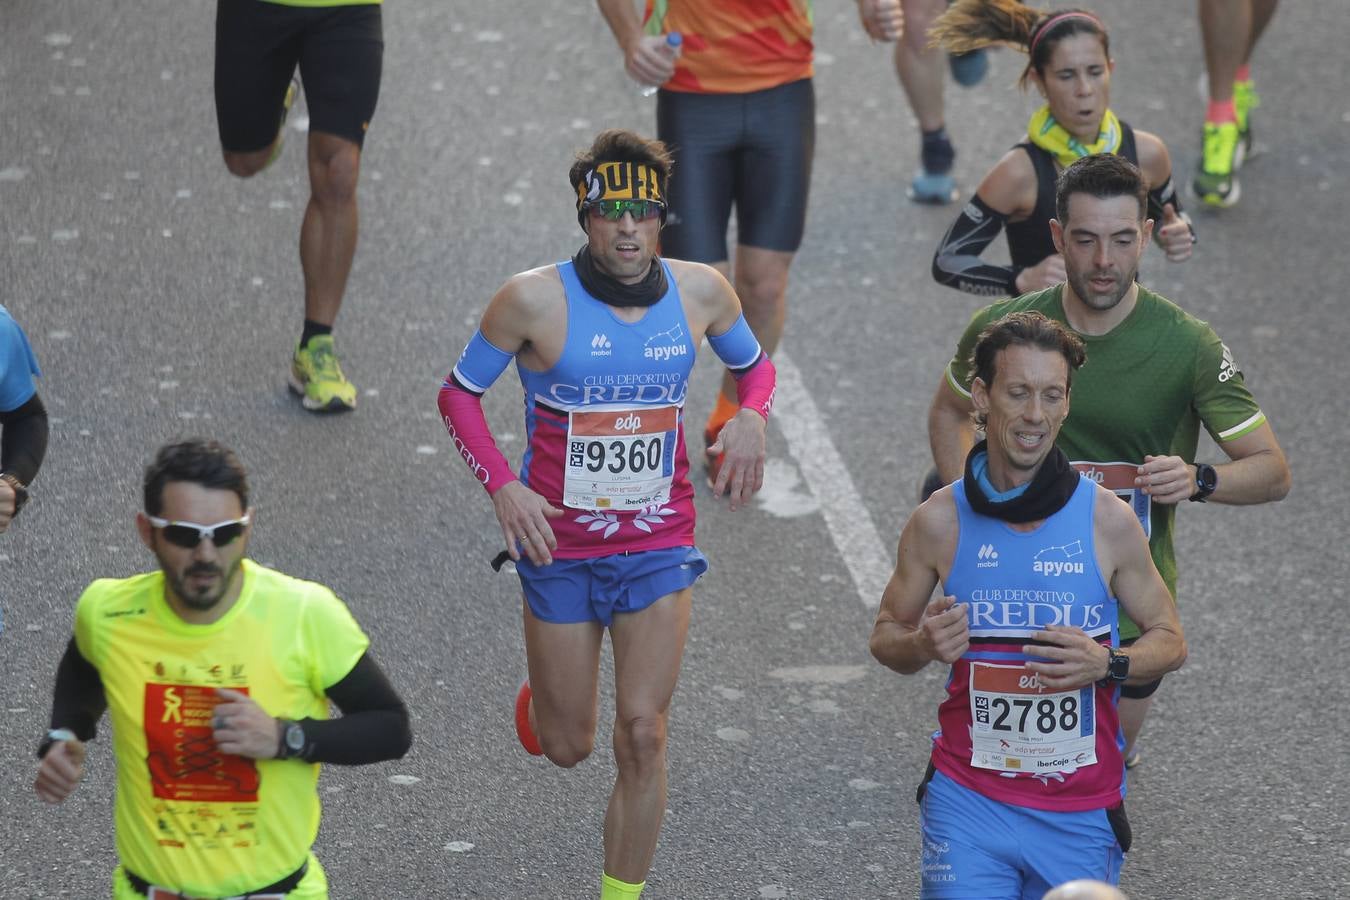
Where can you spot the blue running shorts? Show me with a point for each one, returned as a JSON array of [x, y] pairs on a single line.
[[593, 590], [980, 849]]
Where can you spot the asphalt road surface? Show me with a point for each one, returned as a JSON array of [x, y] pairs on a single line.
[[163, 299]]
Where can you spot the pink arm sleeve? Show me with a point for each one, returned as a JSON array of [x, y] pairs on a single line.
[[463, 415], [756, 386]]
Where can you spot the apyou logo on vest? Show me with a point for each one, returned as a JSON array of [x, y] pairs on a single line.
[[1059, 560]]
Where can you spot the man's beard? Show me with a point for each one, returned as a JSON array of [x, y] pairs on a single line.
[[200, 600], [1082, 286]]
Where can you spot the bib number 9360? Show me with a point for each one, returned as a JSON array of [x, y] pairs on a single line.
[[636, 456], [620, 459]]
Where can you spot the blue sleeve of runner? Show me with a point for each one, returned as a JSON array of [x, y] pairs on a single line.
[[737, 346], [480, 364], [18, 366]]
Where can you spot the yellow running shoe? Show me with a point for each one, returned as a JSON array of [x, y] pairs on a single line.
[[317, 378], [1245, 99], [1215, 182]]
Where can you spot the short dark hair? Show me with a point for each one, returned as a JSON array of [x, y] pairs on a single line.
[[619, 145], [1104, 176], [198, 461], [1025, 329]]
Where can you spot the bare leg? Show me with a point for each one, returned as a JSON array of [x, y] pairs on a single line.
[[328, 235], [761, 283], [648, 646], [1226, 30], [564, 678], [246, 165], [919, 67], [1262, 12], [1132, 713]]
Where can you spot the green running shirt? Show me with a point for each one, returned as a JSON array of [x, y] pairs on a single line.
[[1146, 388]]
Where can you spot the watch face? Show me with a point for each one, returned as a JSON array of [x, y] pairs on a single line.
[[295, 736], [1120, 666]]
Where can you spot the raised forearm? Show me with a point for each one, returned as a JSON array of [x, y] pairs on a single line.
[[623, 21], [898, 648], [78, 701], [374, 725], [1262, 477], [23, 440], [1159, 650]]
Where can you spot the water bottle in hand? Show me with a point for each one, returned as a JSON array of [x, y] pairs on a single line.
[[674, 40]]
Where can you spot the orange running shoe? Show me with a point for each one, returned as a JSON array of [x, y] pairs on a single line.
[[528, 739]]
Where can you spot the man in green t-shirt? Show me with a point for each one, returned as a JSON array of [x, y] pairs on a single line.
[[338, 46], [1154, 375], [216, 674]]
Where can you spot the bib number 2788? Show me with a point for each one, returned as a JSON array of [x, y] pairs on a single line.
[[1049, 717]]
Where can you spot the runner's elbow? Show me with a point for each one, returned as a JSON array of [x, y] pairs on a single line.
[[1284, 480]]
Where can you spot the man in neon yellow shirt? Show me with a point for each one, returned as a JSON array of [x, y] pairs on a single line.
[[339, 48], [217, 674]]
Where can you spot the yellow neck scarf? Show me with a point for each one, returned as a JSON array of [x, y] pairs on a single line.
[[1054, 138]]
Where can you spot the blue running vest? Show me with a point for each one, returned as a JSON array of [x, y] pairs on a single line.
[[1002, 733], [637, 375]]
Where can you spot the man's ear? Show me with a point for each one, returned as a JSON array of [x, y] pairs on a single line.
[[145, 530], [979, 395], [1057, 235]]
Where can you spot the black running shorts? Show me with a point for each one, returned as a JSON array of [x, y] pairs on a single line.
[[751, 149], [340, 52]]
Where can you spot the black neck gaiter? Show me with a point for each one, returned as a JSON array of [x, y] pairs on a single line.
[[1051, 488], [610, 290]]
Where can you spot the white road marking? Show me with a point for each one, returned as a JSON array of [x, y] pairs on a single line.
[[846, 517], [783, 494]]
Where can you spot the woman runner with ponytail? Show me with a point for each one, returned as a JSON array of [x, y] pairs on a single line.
[[1070, 64]]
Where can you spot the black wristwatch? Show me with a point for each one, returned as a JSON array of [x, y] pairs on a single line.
[[1117, 668], [1206, 480], [291, 743], [20, 491]]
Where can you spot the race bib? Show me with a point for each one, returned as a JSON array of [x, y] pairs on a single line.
[[620, 459], [1118, 478], [1018, 725]]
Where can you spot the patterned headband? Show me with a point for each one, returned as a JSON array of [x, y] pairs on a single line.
[[619, 181]]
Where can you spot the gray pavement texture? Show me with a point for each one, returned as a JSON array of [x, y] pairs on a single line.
[[163, 299]]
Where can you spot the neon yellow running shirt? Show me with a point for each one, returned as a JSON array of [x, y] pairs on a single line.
[[188, 816]]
